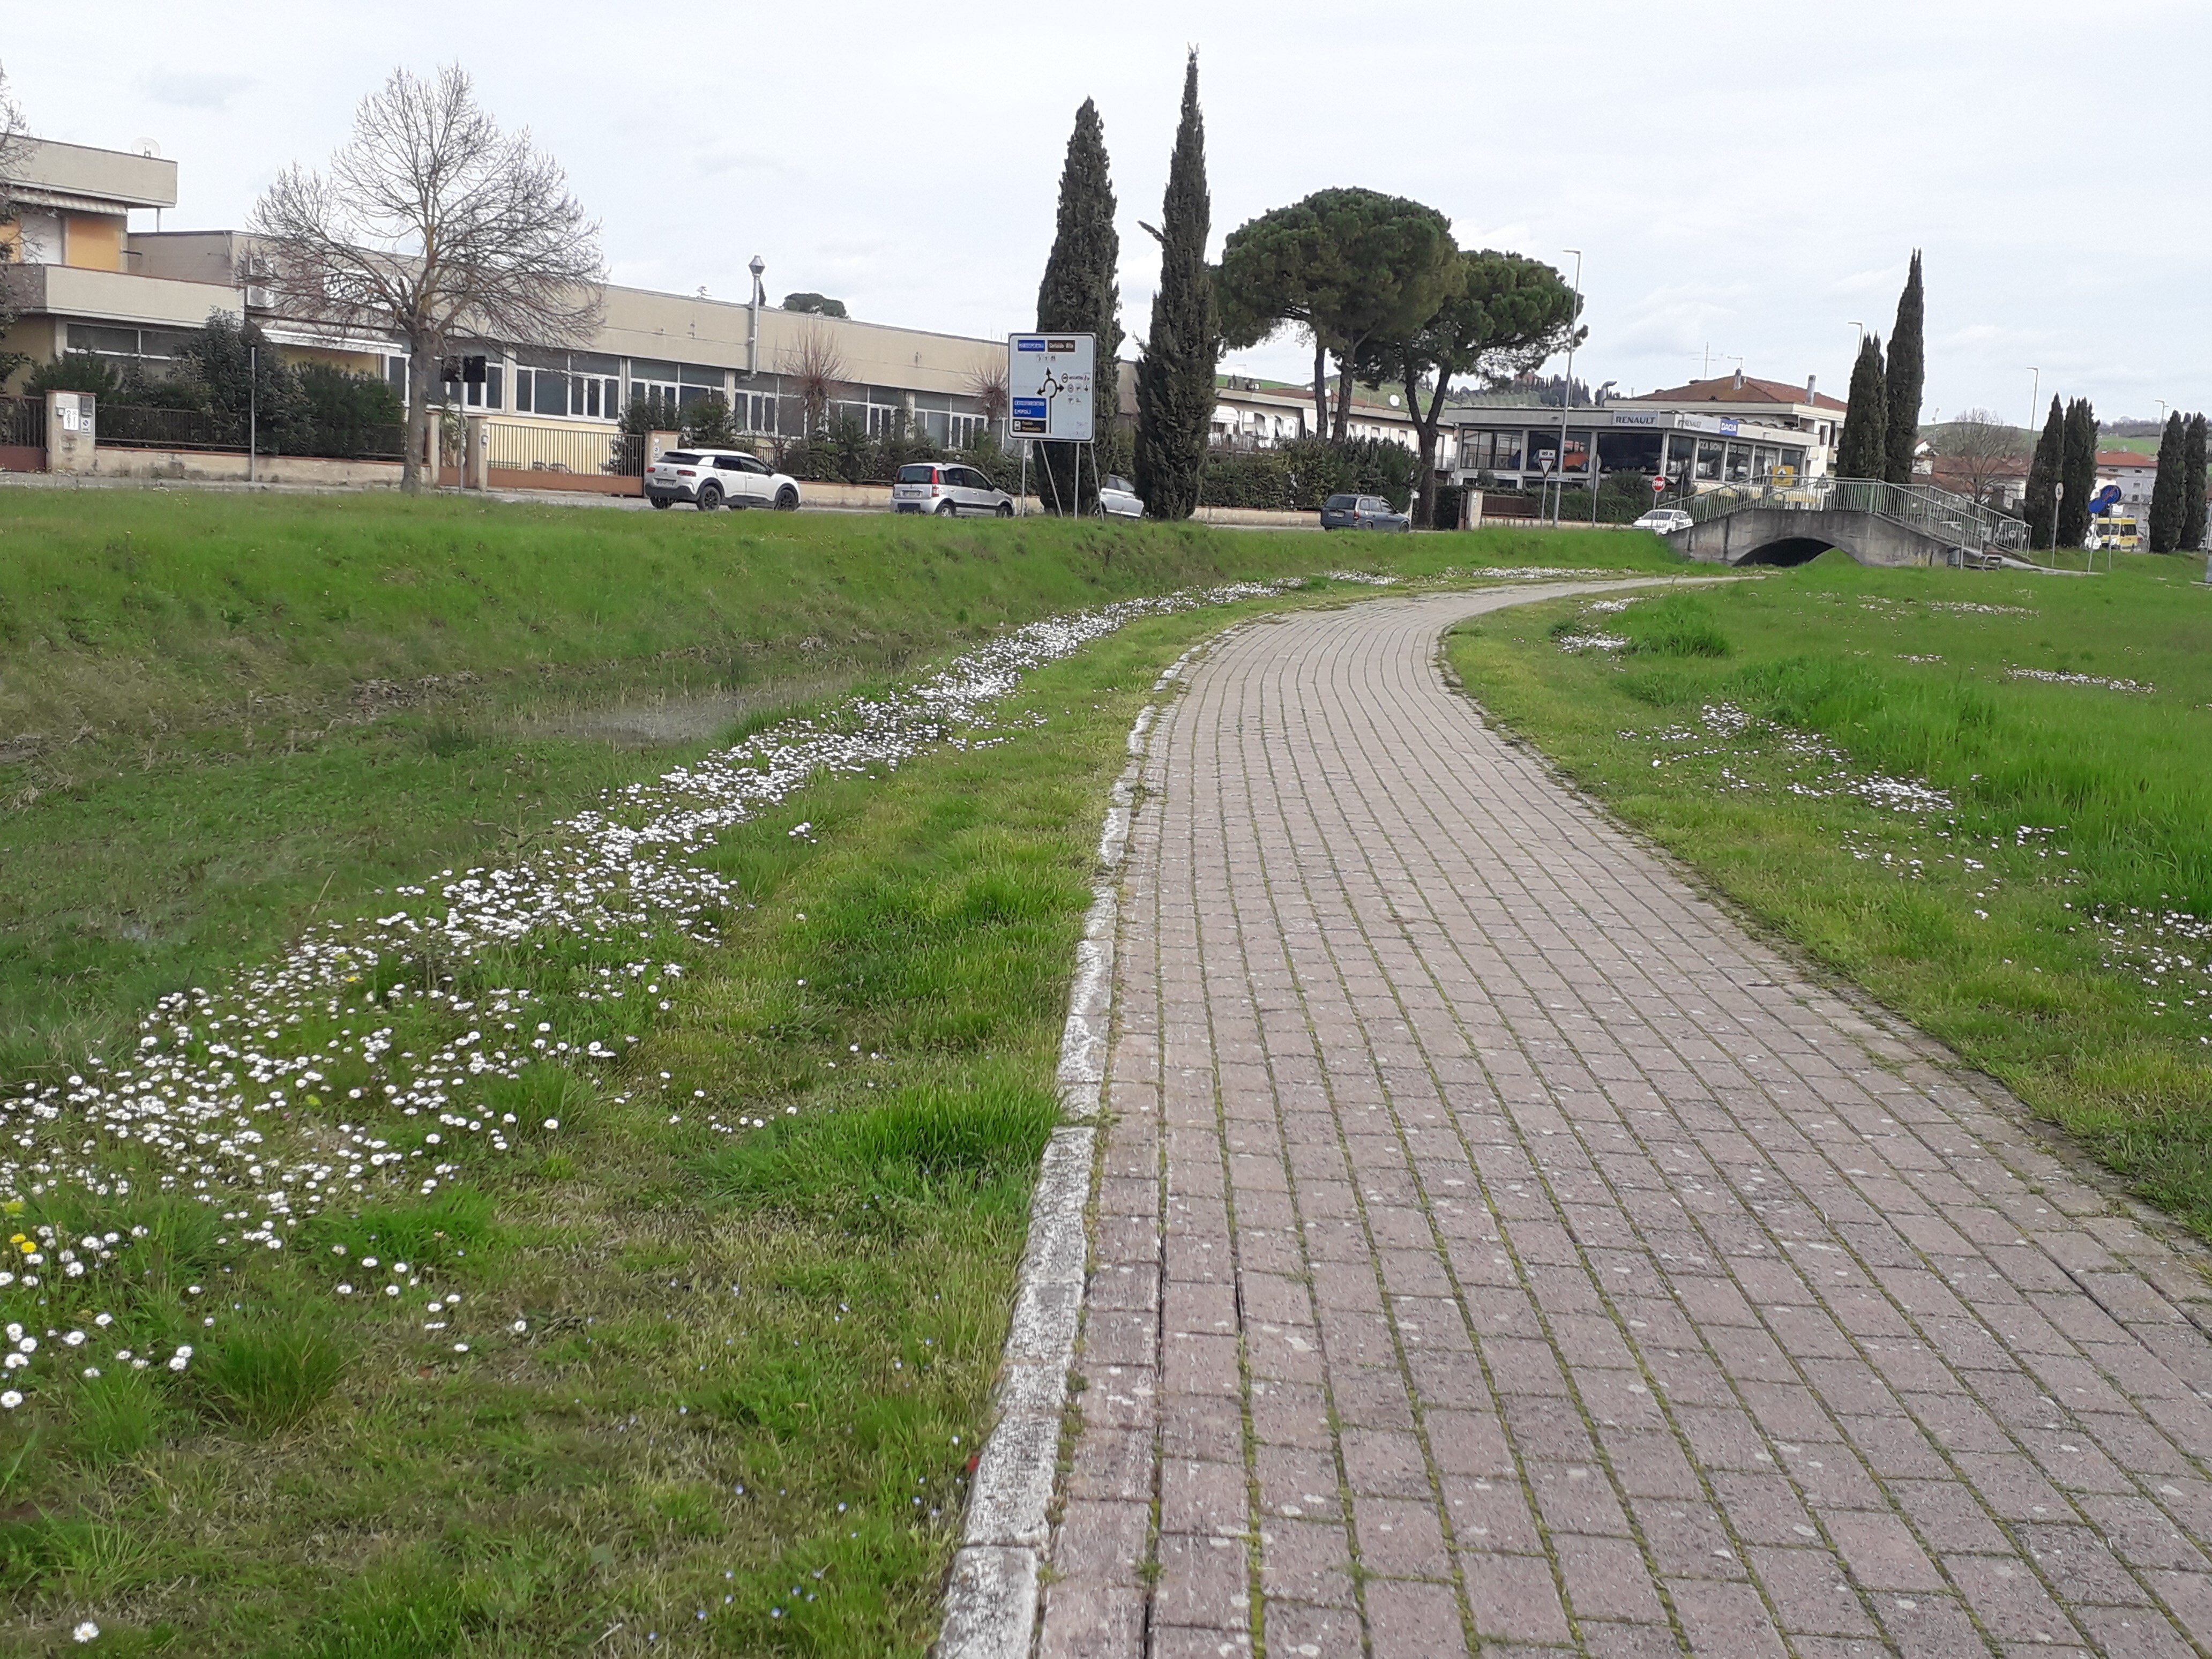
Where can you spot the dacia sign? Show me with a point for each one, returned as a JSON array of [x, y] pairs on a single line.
[[1049, 382]]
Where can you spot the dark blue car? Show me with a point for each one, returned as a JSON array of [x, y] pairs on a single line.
[[1361, 513]]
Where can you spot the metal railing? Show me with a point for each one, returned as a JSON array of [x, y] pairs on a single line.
[[1936, 513], [22, 422], [140, 426], [517, 448]]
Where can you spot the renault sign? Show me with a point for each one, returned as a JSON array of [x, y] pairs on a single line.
[[1049, 379]]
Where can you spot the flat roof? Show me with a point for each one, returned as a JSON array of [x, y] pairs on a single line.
[[117, 176]]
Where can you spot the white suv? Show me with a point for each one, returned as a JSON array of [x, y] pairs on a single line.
[[709, 478], [948, 490]]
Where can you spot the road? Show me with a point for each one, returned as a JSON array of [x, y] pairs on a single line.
[[1495, 1244]]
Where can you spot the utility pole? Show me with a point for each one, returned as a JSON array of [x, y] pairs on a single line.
[[1567, 397], [252, 414]]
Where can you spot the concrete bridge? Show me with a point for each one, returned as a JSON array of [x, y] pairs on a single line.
[[1880, 524]]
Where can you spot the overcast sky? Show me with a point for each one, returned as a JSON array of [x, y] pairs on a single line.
[[1748, 180]]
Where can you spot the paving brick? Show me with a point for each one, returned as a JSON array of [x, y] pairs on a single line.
[[1480, 1168]]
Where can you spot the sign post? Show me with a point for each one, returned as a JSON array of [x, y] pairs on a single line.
[[1051, 381]]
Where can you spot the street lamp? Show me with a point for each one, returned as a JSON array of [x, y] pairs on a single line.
[[2034, 397], [1862, 329], [1567, 397]]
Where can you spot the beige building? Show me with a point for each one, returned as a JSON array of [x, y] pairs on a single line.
[[83, 281], [1254, 414]]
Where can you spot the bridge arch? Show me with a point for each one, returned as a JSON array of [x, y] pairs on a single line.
[[1795, 550]]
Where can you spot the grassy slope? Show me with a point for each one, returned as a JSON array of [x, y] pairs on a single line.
[[220, 716], [810, 1311], [746, 1356], [2067, 795]]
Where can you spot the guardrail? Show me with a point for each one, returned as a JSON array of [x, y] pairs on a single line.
[[1936, 513]]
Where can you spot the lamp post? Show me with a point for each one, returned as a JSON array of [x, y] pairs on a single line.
[[2034, 399], [1567, 397], [1861, 326]]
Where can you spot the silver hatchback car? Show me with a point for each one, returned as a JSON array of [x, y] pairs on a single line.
[[1361, 513], [947, 490]]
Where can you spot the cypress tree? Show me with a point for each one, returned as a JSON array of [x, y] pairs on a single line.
[[2043, 477], [1079, 295], [1903, 380], [2192, 486], [2166, 508], [2078, 470], [1175, 377], [1859, 451]]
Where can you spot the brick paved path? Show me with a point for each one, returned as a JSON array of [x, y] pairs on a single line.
[[1496, 1246]]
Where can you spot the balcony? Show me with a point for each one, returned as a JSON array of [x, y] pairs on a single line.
[[115, 296]]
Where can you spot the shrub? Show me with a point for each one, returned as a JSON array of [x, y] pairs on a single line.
[[347, 414], [1299, 476], [707, 423]]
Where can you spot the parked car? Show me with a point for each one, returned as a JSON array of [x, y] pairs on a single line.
[[1664, 520], [708, 479], [947, 490], [1118, 498], [1361, 513]]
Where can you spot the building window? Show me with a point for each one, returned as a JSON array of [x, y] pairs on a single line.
[[106, 340], [754, 411], [579, 387], [484, 394], [1709, 460]]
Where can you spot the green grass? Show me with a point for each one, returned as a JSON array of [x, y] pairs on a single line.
[[222, 718], [730, 1374], [744, 1356], [2074, 804]]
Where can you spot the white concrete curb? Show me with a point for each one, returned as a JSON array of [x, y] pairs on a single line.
[[991, 1600]]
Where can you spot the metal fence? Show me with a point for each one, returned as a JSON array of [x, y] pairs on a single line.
[[139, 426], [135, 426], [1933, 512], [22, 422], [517, 448]]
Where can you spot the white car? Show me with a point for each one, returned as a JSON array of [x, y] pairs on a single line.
[[1664, 520], [1118, 498], [947, 490], [709, 478]]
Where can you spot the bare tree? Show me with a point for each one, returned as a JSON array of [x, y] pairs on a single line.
[[816, 369], [437, 225], [987, 385], [15, 141], [1983, 451]]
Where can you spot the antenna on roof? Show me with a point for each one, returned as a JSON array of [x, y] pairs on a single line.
[[147, 147]]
